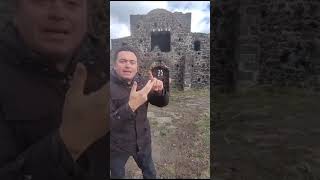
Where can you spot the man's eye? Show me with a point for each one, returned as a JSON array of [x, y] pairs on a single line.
[[40, 2], [73, 3]]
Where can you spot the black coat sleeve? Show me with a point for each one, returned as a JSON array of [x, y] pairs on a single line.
[[46, 159], [159, 100], [120, 115]]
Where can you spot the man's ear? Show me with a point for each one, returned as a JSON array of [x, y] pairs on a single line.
[[113, 62]]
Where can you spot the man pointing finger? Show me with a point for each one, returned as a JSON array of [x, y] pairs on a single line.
[[130, 129]]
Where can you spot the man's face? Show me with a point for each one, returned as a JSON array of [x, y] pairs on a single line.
[[126, 65], [52, 27]]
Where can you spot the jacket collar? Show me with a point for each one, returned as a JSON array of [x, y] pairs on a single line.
[[116, 79]]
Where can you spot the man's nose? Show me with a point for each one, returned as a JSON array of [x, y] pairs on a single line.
[[56, 11], [128, 64]]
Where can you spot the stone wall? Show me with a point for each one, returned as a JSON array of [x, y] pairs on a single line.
[[224, 42], [198, 65], [266, 42], [289, 36], [248, 46], [188, 67]]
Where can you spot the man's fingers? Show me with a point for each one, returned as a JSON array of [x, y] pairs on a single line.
[[150, 75], [79, 79], [161, 86], [153, 81], [144, 89], [147, 88], [156, 85], [134, 87]]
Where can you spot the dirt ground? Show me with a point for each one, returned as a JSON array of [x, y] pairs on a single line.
[[180, 137], [267, 134]]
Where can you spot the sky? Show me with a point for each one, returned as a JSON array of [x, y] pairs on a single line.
[[120, 12]]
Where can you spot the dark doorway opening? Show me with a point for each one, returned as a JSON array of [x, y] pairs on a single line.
[[161, 39], [197, 45]]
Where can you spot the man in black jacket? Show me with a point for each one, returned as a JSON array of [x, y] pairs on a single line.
[[130, 130], [53, 109]]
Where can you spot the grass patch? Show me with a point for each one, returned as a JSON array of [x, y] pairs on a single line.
[[164, 131], [278, 104], [203, 125], [175, 94], [168, 171], [154, 123]]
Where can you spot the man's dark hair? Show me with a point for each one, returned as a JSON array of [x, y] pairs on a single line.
[[125, 48]]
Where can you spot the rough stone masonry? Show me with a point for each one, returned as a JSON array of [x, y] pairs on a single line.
[[166, 37], [266, 42]]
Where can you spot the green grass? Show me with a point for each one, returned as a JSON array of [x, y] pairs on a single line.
[[175, 94], [277, 109], [154, 123], [271, 102], [169, 171], [203, 125], [164, 131]]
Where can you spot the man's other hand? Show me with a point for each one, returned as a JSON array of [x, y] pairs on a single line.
[[158, 84], [84, 118], [137, 98]]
